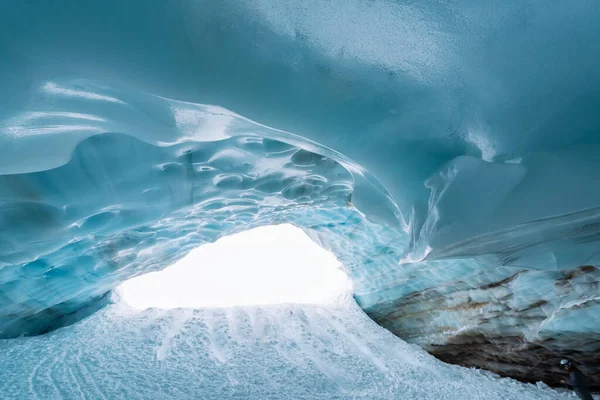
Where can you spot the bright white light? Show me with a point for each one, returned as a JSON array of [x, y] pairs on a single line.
[[267, 265]]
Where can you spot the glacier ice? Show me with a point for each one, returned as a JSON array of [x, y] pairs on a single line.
[[445, 151]]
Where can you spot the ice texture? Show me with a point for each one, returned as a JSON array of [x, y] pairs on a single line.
[[447, 152], [269, 352]]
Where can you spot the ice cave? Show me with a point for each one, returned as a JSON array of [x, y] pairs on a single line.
[[438, 162]]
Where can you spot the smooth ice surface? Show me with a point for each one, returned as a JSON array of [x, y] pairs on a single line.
[[446, 152], [272, 265], [270, 352]]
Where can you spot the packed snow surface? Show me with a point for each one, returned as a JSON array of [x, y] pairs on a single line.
[[267, 352]]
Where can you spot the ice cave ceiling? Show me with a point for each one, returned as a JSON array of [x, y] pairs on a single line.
[[447, 152]]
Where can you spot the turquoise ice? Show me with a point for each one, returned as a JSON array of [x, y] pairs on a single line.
[[447, 152]]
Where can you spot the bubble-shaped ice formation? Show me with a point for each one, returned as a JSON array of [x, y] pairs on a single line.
[[445, 151]]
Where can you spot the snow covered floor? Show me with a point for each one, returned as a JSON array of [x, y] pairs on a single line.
[[269, 352]]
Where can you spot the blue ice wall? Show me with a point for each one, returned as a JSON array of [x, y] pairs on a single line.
[[446, 151]]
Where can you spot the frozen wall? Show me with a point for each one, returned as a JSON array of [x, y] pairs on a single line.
[[446, 151]]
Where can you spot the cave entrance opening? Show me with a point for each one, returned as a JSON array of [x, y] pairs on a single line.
[[275, 264]]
